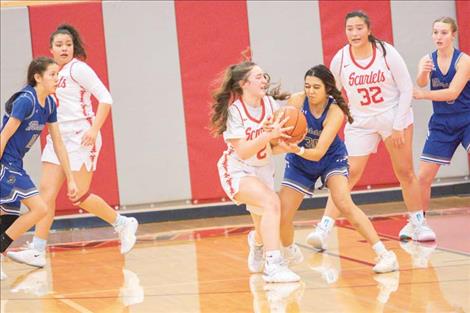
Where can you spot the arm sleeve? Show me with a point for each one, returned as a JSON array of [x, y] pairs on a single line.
[[22, 107], [404, 85], [86, 77], [335, 68], [53, 114], [235, 129]]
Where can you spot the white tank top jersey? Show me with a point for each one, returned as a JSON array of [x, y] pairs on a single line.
[[77, 82], [246, 122], [376, 84]]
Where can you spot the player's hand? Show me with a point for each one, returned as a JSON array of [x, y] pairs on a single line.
[[89, 138], [425, 66], [277, 127], [418, 93], [288, 147], [72, 190], [398, 137]]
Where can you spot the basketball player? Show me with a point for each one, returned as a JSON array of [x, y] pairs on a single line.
[[80, 130], [447, 69], [26, 114], [322, 154], [379, 90], [241, 111]]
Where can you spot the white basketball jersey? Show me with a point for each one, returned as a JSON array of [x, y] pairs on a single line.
[[73, 101], [370, 87], [246, 122]]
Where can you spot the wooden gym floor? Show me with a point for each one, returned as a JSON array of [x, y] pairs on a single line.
[[200, 266]]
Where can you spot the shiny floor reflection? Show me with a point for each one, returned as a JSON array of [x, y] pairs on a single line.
[[205, 270]]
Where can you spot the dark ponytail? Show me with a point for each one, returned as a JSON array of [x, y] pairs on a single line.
[[78, 46], [324, 74], [372, 39]]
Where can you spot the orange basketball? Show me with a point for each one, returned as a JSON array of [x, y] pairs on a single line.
[[297, 120]]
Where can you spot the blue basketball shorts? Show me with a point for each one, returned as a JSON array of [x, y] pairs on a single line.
[[303, 180], [445, 133], [15, 185]]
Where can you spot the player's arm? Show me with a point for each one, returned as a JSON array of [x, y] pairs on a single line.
[[462, 76], [425, 66], [61, 152], [9, 130], [87, 78], [332, 124], [297, 100]]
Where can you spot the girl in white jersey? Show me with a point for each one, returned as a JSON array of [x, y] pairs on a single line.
[[242, 112], [379, 91], [80, 130]]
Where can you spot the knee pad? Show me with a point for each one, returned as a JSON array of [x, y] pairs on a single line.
[[83, 198], [6, 221]]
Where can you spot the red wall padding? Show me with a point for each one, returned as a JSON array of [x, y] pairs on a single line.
[[332, 13], [463, 21], [88, 19], [211, 36]]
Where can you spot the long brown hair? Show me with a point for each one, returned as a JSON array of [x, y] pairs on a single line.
[[324, 74], [78, 46], [230, 90]]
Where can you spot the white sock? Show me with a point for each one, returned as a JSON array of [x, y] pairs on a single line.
[[379, 248], [272, 256], [39, 244], [417, 217], [327, 223], [120, 220]]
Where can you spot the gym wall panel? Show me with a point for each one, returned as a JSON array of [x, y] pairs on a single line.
[[419, 17], [87, 18], [15, 56], [211, 36], [149, 124], [285, 57], [332, 13]]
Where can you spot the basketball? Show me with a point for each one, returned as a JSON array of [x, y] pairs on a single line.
[[296, 120]]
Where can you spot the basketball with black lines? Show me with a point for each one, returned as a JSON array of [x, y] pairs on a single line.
[[297, 120]]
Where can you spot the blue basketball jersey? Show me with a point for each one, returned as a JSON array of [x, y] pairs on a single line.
[[33, 117], [440, 81], [315, 127]]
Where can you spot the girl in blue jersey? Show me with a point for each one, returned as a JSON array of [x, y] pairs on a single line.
[[27, 112], [447, 69], [322, 154]]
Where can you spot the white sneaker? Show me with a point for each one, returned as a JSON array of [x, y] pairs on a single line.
[[255, 255], [278, 272], [417, 232], [131, 292], [388, 283], [420, 252], [34, 283], [387, 262], [318, 238], [127, 234], [29, 256], [293, 255], [2, 274]]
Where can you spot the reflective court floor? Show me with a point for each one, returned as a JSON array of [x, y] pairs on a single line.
[[205, 270]]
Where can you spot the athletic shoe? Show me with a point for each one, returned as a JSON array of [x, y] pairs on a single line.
[[29, 256], [127, 234], [2, 274], [420, 252], [387, 262], [278, 272], [255, 255], [318, 238], [34, 283], [417, 232], [293, 255], [131, 292], [388, 283]]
